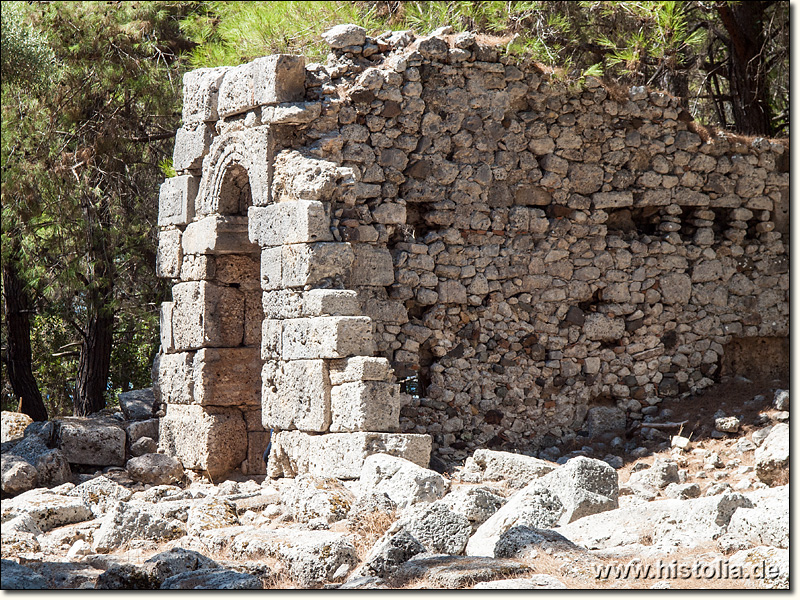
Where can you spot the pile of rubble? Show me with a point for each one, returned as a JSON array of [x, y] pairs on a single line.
[[503, 520]]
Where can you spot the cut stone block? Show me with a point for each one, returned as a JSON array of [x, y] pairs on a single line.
[[311, 264], [200, 93], [204, 439], [165, 327], [365, 406], [341, 455], [372, 266], [175, 380], [256, 444], [176, 200], [227, 377], [253, 315], [169, 257], [198, 267], [327, 337], [207, 315], [291, 113], [296, 395], [91, 441], [271, 333], [282, 304], [218, 235], [612, 199], [296, 222], [359, 368], [271, 268], [243, 269], [324, 302], [192, 143], [267, 80]]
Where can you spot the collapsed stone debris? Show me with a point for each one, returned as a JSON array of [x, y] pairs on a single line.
[[425, 244]]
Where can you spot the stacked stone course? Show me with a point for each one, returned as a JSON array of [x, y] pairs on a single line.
[[515, 248]]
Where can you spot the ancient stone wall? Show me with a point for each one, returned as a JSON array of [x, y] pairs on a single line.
[[511, 248]]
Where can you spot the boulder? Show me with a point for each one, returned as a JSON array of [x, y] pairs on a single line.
[[766, 523], [137, 405], [388, 553], [534, 582], [780, 401], [19, 577], [682, 491], [533, 506], [139, 429], [144, 445], [12, 425], [152, 573], [658, 476], [475, 503], [517, 469], [127, 521], [525, 542], [18, 475], [345, 35], [99, 493], [91, 441], [773, 564], [211, 513], [454, 572], [772, 456], [157, 469], [51, 465], [667, 523], [311, 497], [213, 579], [437, 528], [48, 510], [585, 486], [403, 481]]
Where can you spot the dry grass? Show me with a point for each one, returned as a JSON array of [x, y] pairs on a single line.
[[369, 527]]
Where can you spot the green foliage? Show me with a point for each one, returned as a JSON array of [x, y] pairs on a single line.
[[231, 33], [24, 53]]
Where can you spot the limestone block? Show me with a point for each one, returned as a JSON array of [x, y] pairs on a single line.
[[271, 334], [137, 404], [365, 406], [200, 93], [256, 444], [169, 257], [243, 269], [341, 455], [676, 288], [271, 268], [291, 113], [253, 315], [359, 368], [301, 177], [310, 264], [296, 395], [282, 304], [204, 439], [227, 377], [175, 378], [13, 425], [267, 80], [207, 315], [197, 267], [325, 302], [295, 222], [612, 199], [327, 337], [192, 143], [165, 327], [604, 328], [176, 200], [371, 266], [91, 441], [218, 235]]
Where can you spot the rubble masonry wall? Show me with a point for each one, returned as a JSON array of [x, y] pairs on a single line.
[[514, 249]]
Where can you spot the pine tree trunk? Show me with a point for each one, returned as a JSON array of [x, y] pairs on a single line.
[[95, 363], [744, 23], [19, 360]]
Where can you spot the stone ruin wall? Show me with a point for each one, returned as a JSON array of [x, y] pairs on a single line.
[[514, 249]]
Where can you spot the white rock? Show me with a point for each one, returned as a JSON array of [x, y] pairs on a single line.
[[772, 456], [403, 481], [12, 425], [518, 469]]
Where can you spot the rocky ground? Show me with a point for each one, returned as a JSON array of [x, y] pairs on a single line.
[[697, 497]]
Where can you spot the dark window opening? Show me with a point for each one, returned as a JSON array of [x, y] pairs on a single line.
[[234, 194]]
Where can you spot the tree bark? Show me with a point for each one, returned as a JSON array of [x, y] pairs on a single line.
[[744, 23], [95, 364], [19, 359]]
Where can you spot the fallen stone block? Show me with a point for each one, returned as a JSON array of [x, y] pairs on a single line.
[[137, 405], [402, 480], [213, 579], [50, 466], [455, 572], [534, 582], [585, 486], [341, 455], [18, 475], [517, 469], [312, 497], [47, 509], [156, 469], [127, 521], [772, 456], [13, 425], [20, 577], [211, 513], [99, 494], [475, 503], [437, 528], [91, 440]]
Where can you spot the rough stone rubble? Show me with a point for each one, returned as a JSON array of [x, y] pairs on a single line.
[[516, 250]]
